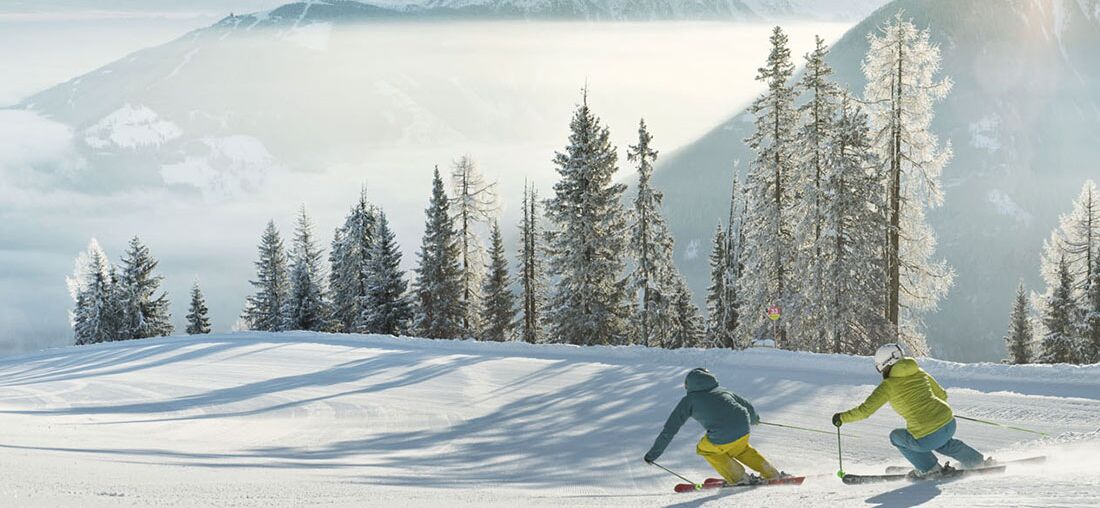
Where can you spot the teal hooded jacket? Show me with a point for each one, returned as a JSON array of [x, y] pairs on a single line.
[[725, 415]]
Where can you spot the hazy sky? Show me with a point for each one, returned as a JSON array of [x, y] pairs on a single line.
[[49, 41], [685, 78]]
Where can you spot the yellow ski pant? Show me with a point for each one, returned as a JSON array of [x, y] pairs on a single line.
[[728, 458]]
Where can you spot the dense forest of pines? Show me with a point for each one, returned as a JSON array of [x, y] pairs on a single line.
[[827, 224]]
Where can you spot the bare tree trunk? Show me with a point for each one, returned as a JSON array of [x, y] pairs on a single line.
[[893, 259]]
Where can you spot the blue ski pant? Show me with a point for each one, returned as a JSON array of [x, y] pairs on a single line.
[[919, 451]]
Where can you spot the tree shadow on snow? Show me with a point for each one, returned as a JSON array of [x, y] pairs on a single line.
[[109, 361], [547, 439], [348, 372], [914, 494], [591, 430]]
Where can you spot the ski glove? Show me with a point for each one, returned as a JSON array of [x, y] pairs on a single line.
[[836, 420], [648, 459]]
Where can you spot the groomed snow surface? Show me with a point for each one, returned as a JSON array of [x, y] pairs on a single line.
[[299, 419]]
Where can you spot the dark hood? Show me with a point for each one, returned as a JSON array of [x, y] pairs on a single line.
[[700, 380]]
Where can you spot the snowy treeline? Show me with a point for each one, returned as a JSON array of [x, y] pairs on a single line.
[[614, 277], [120, 302], [362, 290], [1068, 328], [830, 224], [827, 224]]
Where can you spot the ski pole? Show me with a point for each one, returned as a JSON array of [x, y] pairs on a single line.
[[839, 455], [795, 427], [698, 486], [995, 424]]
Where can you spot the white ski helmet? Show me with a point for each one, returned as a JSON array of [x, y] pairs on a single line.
[[887, 355]]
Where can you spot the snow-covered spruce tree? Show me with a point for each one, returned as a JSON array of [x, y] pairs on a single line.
[[769, 220], [532, 280], [1077, 239], [717, 332], [1091, 325], [587, 241], [92, 288], [386, 309], [655, 279], [1060, 344], [198, 320], [725, 271], [851, 288], [264, 308], [440, 307], [116, 307], [813, 141], [900, 68], [350, 265], [499, 304], [1020, 333], [473, 204], [735, 253], [687, 324], [306, 307], [143, 314]]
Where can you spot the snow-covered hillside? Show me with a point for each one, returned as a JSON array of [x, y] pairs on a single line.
[[307, 419]]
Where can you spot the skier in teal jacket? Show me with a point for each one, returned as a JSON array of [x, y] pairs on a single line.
[[726, 418]]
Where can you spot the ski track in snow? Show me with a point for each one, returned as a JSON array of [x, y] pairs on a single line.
[[295, 419]]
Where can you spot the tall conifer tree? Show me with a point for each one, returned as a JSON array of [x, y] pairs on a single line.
[[264, 308], [814, 141], [900, 68], [350, 262], [1020, 334], [473, 205], [143, 314], [1060, 344], [306, 308], [687, 325], [588, 239], [717, 307], [1077, 241], [532, 280], [851, 285], [499, 305], [387, 308], [439, 283], [655, 280], [769, 219], [92, 288]]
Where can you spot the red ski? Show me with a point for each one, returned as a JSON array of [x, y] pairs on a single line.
[[718, 483]]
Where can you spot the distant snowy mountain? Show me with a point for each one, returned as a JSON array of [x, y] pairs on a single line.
[[591, 10], [1022, 119], [671, 9]]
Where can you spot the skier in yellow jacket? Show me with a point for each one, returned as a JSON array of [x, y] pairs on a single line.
[[922, 402]]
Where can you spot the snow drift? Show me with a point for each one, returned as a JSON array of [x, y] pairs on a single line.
[[255, 419]]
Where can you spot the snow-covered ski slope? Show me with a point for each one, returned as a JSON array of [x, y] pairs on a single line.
[[300, 419]]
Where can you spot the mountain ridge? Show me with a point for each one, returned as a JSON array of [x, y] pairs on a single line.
[[588, 10]]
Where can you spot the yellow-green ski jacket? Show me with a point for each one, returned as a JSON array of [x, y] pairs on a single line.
[[914, 394]]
